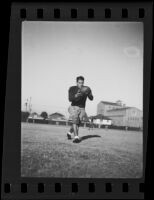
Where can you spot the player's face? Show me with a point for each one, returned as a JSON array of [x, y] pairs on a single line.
[[80, 83]]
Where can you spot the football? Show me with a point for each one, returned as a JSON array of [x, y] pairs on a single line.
[[85, 90]]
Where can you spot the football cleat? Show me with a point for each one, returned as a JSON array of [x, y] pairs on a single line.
[[69, 136], [76, 140]]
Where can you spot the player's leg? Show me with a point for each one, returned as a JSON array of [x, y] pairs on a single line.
[[76, 133], [76, 127], [70, 132], [82, 116], [76, 130], [74, 116], [71, 118]]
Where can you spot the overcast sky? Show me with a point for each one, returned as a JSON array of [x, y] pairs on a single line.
[[108, 54]]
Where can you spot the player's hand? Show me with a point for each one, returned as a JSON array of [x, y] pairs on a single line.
[[88, 92], [85, 90], [78, 94]]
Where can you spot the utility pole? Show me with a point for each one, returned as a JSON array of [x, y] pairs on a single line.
[[26, 104], [30, 105]]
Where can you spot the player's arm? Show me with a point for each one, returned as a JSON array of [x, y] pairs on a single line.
[[90, 95], [73, 96]]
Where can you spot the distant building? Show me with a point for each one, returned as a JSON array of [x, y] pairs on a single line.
[[34, 116], [104, 106], [120, 114], [126, 116], [57, 116], [101, 120]]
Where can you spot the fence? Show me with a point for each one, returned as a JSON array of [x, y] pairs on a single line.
[[87, 124]]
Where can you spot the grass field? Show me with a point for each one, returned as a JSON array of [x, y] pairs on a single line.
[[46, 152]]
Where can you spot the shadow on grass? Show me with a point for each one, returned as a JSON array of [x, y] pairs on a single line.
[[88, 136]]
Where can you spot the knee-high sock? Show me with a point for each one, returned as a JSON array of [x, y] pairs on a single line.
[[76, 129]]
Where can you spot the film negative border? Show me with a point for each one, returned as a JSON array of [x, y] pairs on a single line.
[[92, 12], [16, 187], [79, 189]]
